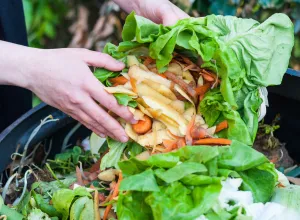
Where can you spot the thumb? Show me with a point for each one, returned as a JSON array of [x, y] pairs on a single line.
[[97, 59]]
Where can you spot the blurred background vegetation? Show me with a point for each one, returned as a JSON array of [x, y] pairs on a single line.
[[92, 23]]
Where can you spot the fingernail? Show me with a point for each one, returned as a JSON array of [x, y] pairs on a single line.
[[102, 135], [124, 139]]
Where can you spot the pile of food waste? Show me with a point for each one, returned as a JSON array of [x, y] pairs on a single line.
[[194, 89]]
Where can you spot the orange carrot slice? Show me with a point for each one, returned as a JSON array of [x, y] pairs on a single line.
[[223, 125], [169, 145], [120, 80], [203, 89], [207, 77], [213, 141], [143, 126]]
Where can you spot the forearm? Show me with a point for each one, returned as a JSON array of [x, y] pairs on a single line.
[[16, 62]]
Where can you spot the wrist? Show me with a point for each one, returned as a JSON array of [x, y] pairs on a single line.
[[16, 64]]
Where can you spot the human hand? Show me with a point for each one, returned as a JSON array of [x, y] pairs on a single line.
[[162, 12], [62, 79], [159, 11]]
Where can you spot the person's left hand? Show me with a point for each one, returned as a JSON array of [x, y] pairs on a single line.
[[159, 11]]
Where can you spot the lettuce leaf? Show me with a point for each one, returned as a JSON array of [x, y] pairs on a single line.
[[144, 182], [186, 184], [126, 100], [112, 158]]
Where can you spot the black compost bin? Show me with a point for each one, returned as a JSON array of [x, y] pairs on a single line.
[[283, 100]]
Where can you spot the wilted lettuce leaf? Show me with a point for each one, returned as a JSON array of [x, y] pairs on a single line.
[[103, 75], [37, 214], [112, 158]]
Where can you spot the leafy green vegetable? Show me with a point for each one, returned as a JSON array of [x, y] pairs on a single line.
[[260, 181], [126, 100], [187, 183], [63, 199], [103, 75], [112, 158], [132, 205], [37, 214], [180, 171], [143, 182], [11, 214], [77, 207]]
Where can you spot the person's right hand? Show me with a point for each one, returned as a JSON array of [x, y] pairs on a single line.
[[62, 79]]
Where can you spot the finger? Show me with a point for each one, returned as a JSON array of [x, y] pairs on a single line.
[[171, 14], [97, 59], [89, 123], [103, 119], [109, 101]]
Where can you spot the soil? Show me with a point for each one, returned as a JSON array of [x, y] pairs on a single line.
[[273, 149]]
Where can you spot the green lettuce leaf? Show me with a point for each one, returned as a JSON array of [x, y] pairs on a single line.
[[240, 157], [261, 181], [180, 171], [132, 205], [126, 100], [63, 199], [143, 182], [112, 158]]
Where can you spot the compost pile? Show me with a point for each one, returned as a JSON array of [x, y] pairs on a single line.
[[194, 89]]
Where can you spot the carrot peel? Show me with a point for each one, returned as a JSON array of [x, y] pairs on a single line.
[[213, 141], [120, 80], [223, 125], [143, 126]]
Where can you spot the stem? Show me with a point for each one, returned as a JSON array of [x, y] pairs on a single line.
[[54, 176], [69, 135], [5, 189], [34, 132], [17, 201]]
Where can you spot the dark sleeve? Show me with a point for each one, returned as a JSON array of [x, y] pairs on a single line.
[[13, 101]]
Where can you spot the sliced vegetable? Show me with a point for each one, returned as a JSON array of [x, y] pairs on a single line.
[[213, 141], [142, 126]]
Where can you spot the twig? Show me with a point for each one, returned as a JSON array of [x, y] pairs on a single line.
[[48, 152]]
